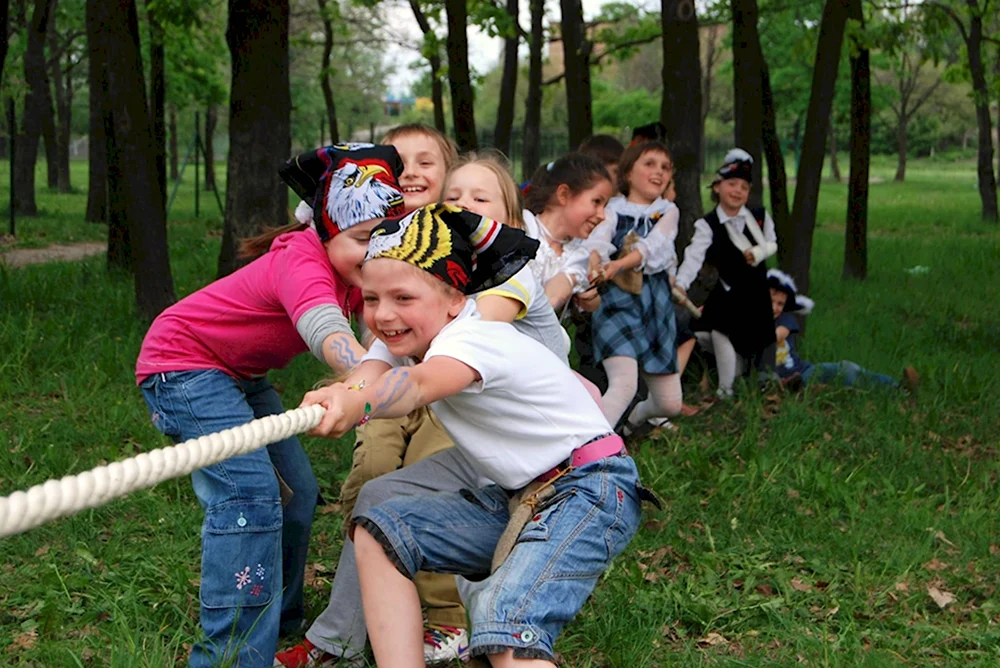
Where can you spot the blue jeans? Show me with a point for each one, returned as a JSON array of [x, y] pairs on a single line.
[[848, 373], [553, 568], [253, 550]]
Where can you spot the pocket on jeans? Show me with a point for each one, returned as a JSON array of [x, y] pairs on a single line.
[[487, 498], [543, 521], [241, 554]]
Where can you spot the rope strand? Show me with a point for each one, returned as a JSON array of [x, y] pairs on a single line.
[[67, 496]]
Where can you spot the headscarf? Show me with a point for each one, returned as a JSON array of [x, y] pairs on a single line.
[[738, 164], [346, 184], [796, 303], [467, 251]]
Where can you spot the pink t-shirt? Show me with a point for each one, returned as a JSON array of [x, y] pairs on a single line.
[[244, 324]]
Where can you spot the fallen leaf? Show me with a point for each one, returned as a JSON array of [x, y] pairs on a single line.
[[827, 436], [792, 494], [42, 551], [764, 590], [941, 537], [935, 565], [23, 641], [799, 585], [942, 598], [903, 587], [995, 550], [712, 639]]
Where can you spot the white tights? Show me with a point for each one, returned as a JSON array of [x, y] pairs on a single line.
[[664, 400], [727, 362]]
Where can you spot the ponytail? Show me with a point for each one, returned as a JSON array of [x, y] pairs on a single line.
[[575, 170], [253, 247]]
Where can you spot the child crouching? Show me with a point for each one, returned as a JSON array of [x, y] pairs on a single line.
[[521, 419]]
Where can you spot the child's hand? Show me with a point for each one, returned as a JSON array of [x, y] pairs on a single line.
[[676, 288], [611, 269], [748, 255], [588, 300], [344, 409]]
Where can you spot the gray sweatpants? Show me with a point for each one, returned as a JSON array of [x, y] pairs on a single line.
[[340, 629]]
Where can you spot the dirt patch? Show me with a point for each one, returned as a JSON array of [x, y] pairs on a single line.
[[21, 257]]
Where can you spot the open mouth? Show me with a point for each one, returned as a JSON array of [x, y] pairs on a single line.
[[410, 190], [390, 336]]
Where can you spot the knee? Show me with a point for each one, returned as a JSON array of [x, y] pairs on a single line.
[[373, 493]]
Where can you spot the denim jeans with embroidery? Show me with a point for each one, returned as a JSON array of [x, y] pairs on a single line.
[[253, 550]]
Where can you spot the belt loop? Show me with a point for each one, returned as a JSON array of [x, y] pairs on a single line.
[[163, 377]]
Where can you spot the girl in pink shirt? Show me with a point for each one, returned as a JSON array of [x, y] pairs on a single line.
[[202, 368]]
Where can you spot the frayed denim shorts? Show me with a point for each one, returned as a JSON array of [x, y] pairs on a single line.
[[553, 568]]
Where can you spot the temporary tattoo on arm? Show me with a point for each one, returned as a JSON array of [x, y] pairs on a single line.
[[392, 388], [343, 353]]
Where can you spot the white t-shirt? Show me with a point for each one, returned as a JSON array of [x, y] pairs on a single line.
[[527, 414], [537, 318]]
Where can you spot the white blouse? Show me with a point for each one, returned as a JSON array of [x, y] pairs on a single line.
[[548, 264], [694, 255], [657, 248]]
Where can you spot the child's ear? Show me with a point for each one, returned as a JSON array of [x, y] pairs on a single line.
[[457, 304], [563, 194]]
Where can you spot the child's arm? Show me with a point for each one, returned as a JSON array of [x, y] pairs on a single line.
[[694, 255], [761, 252], [781, 333], [499, 308], [558, 289], [342, 353], [395, 394]]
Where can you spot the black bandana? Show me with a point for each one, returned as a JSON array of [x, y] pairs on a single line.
[[346, 184], [738, 164], [467, 251]]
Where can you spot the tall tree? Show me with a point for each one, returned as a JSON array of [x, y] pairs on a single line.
[[969, 21], [776, 177], [680, 111], [131, 154], [211, 121], [34, 102], [97, 150], [576, 59], [530, 153], [158, 92], [62, 83], [459, 79], [795, 241], [4, 43], [326, 16], [856, 235], [174, 158], [508, 82], [432, 51], [259, 122], [748, 62], [49, 129]]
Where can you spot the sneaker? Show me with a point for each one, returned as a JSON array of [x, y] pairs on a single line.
[[445, 643], [662, 423], [305, 655], [911, 379]]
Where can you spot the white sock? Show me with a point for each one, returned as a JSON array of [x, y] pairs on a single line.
[[665, 398], [726, 361], [623, 383]]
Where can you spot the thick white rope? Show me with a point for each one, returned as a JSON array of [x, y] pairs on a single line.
[[58, 498]]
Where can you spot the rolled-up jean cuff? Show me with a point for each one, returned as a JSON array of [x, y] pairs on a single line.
[[497, 638], [388, 547]]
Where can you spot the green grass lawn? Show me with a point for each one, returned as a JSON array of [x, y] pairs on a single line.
[[802, 529]]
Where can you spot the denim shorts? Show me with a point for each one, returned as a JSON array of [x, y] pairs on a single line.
[[553, 568]]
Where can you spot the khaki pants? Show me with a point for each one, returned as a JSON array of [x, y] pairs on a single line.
[[383, 446]]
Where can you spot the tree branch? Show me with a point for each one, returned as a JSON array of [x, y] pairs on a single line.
[[596, 60]]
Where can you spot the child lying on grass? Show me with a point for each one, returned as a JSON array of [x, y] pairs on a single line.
[[795, 372]]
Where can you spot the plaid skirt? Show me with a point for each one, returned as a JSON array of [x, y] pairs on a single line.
[[641, 326]]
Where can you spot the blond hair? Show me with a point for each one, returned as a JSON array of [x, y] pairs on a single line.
[[449, 150], [496, 163]]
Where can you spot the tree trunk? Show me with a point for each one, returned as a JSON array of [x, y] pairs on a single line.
[[508, 84], [576, 61], [63, 89], [530, 150], [97, 148], [902, 147], [34, 103], [777, 180], [834, 165], [795, 245], [49, 128], [987, 179], [174, 158], [324, 74], [255, 197], [4, 43], [459, 79], [211, 121], [748, 61], [157, 75], [432, 48], [680, 109], [856, 235], [131, 157]]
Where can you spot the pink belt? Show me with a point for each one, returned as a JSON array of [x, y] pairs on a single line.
[[598, 449]]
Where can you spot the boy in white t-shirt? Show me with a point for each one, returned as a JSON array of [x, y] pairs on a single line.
[[519, 415]]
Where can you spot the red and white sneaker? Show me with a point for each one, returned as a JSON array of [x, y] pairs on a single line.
[[304, 655], [445, 643]]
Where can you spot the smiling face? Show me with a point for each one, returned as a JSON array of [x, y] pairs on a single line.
[[778, 301], [733, 194], [347, 249], [583, 211], [424, 169], [475, 188], [406, 307], [649, 177]]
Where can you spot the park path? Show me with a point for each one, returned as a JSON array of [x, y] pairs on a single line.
[[20, 257]]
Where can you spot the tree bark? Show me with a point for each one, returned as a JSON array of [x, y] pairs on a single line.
[[131, 157], [50, 130], [34, 102], [64, 91], [158, 96], [576, 61], [795, 242], [776, 176], [902, 147], [433, 51], [211, 121], [259, 123], [748, 60], [459, 79], [834, 165], [680, 109], [97, 148], [856, 235], [984, 167], [324, 74], [711, 54], [508, 84], [530, 135], [174, 158], [4, 43]]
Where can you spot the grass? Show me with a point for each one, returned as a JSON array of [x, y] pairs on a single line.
[[796, 529]]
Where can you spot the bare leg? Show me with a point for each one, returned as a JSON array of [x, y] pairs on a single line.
[[507, 660], [684, 355], [392, 607]]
